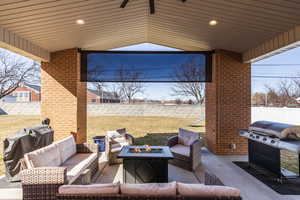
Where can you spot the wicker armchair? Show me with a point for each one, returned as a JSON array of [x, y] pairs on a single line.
[[186, 157], [112, 148], [42, 183]]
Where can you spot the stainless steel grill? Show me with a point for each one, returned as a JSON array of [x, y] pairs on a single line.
[[278, 135], [266, 140]]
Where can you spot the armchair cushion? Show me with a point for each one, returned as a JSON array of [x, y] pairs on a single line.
[[186, 137], [48, 156], [102, 189], [77, 164], [118, 146], [117, 136], [181, 149], [117, 140], [67, 148], [149, 189], [200, 190]]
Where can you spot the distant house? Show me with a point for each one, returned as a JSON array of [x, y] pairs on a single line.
[[27, 93], [8, 98], [94, 96]]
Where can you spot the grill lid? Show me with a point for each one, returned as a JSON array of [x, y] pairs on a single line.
[[275, 129]]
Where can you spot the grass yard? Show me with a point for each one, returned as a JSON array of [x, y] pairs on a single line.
[[146, 130]]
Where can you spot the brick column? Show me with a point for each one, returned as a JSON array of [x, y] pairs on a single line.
[[63, 95], [228, 103]]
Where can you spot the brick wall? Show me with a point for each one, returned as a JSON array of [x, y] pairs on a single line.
[[63, 95], [228, 103]]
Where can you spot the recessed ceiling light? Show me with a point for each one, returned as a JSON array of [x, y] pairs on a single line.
[[80, 21], [213, 22]]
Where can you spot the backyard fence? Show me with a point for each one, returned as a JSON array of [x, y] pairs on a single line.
[[285, 115], [113, 109]]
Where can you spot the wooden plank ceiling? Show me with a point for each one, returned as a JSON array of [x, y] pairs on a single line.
[[241, 24]]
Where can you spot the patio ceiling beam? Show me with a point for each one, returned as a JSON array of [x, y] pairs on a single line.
[[11, 41], [280, 43]]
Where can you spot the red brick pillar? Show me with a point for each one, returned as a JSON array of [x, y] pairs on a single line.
[[228, 103], [63, 95]]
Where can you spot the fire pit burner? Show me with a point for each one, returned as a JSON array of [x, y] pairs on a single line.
[[145, 149]]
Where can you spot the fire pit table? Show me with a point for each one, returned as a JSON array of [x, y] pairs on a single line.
[[145, 164]]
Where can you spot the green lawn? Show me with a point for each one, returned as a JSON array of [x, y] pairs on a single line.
[[146, 130]]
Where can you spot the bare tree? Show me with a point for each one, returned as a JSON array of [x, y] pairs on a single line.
[[129, 84], [95, 73], [186, 75], [15, 71], [115, 91], [259, 98], [271, 96], [100, 89], [284, 93], [296, 83]]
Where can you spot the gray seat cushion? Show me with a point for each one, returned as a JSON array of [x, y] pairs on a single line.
[[181, 149], [77, 164], [118, 146], [112, 188], [200, 190], [149, 189]]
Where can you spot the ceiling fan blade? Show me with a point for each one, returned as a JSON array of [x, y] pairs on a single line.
[[152, 6], [124, 3]]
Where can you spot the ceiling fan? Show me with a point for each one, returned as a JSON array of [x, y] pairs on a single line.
[[151, 5]]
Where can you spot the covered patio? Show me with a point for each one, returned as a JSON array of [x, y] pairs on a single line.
[[239, 33]]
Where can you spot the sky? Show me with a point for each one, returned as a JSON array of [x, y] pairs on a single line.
[[286, 64], [158, 91]]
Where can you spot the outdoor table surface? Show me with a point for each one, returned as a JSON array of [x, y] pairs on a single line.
[[165, 154]]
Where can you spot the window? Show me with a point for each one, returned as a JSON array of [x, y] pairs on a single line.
[[93, 100], [131, 66]]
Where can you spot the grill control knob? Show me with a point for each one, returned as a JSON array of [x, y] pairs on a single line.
[[272, 141], [257, 137], [264, 139]]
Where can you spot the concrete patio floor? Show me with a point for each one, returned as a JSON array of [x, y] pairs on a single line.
[[232, 175], [114, 174], [221, 166]]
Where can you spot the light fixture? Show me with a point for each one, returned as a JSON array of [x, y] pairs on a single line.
[[80, 21], [213, 22]]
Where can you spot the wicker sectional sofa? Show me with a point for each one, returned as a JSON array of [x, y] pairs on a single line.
[[60, 163], [148, 191]]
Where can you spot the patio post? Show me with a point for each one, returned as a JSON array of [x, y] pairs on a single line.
[[228, 103], [63, 95]]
